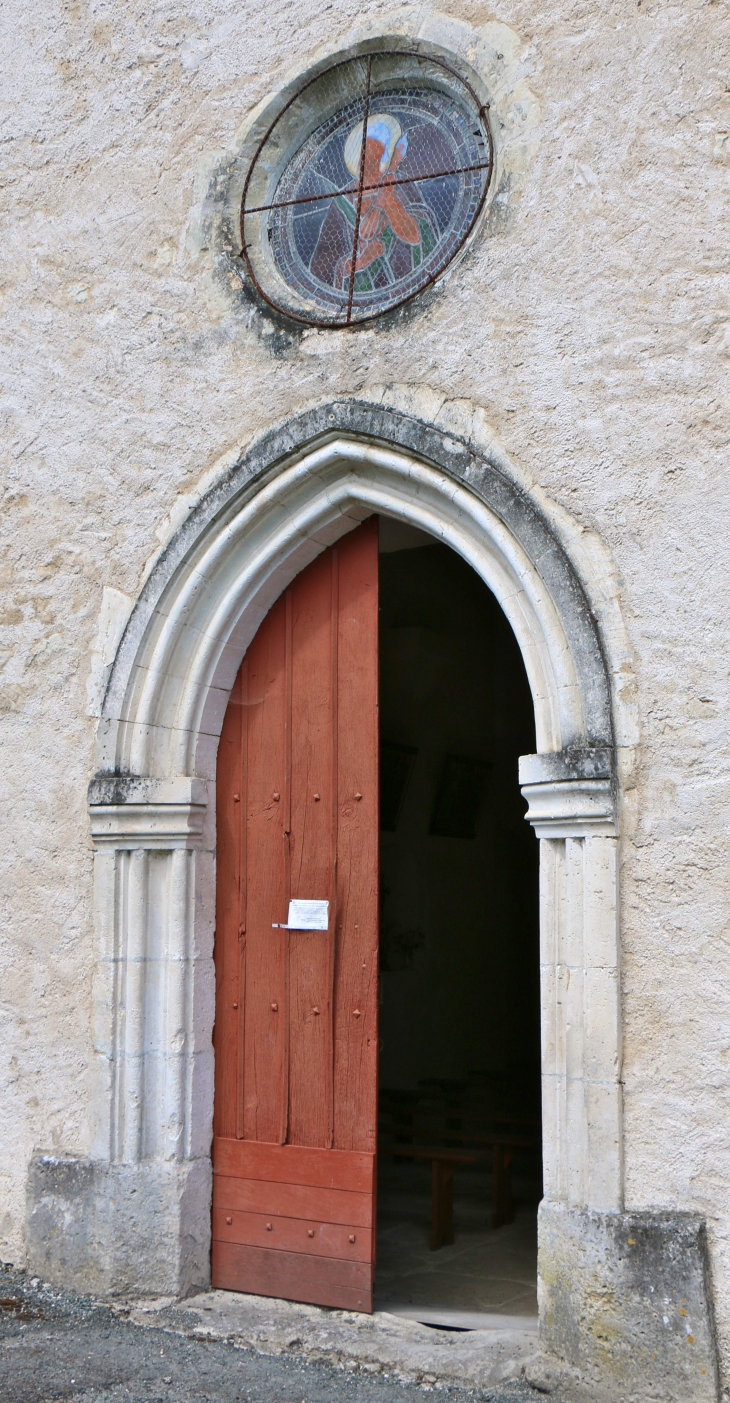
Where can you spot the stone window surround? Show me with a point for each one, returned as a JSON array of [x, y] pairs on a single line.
[[136, 1215]]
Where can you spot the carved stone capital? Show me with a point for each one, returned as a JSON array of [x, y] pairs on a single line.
[[132, 811], [570, 793]]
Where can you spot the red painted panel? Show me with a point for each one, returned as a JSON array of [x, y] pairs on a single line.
[[296, 1013], [228, 899], [265, 1033], [292, 1201], [319, 1281], [345, 1241], [356, 991], [293, 1164], [312, 850]]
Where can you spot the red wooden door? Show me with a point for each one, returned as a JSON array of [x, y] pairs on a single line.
[[296, 1010]]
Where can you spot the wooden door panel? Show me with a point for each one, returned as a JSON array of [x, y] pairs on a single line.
[[311, 965], [294, 1164], [344, 1241], [228, 916], [264, 1031], [356, 984], [296, 1012], [335, 1206], [293, 1276]]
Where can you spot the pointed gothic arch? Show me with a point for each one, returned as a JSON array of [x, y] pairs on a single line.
[[291, 495]]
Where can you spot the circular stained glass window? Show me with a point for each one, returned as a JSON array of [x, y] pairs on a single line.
[[364, 188]]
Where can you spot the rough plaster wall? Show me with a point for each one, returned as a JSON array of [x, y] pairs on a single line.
[[591, 323]]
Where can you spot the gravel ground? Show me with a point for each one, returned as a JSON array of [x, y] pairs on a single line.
[[56, 1345]]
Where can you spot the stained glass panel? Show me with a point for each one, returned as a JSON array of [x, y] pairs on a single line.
[[374, 201]]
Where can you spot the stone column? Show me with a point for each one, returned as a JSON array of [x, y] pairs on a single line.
[[136, 1214], [624, 1297], [571, 803]]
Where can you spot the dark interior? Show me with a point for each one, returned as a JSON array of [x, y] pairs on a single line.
[[459, 982]]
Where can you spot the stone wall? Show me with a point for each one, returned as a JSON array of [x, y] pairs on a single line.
[[587, 329]]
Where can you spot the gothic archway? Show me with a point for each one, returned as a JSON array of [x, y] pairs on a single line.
[[295, 492]]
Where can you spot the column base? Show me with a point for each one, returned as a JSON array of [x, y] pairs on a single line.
[[117, 1229], [625, 1303]]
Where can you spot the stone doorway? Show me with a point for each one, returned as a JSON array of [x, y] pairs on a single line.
[[143, 1195]]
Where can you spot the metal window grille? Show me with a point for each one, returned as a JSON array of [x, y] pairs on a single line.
[[364, 188]]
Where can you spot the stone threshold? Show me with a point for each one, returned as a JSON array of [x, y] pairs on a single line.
[[503, 1351]]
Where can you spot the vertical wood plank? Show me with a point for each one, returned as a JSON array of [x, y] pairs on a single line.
[[310, 1023], [228, 905], [356, 979], [240, 800], [333, 820], [265, 1042]]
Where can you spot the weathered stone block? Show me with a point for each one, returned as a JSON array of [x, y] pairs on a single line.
[[625, 1300], [111, 1229]]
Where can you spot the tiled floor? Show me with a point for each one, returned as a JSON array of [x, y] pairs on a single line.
[[485, 1273]]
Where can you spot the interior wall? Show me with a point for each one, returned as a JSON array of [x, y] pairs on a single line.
[[459, 916]]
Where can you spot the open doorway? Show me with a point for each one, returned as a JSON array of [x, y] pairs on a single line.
[[459, 1103]]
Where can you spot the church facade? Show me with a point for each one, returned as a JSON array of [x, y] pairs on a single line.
[[265, 282]]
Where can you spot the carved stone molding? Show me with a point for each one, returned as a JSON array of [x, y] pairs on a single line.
[[570, 793], [153, 826]]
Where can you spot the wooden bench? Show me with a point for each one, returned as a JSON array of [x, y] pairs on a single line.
[[446, 1159], [503, 1146], [444, 1164]]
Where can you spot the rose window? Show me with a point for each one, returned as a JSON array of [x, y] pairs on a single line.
[[367, 184]]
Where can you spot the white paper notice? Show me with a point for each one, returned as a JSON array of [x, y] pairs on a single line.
[[308, 915]]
